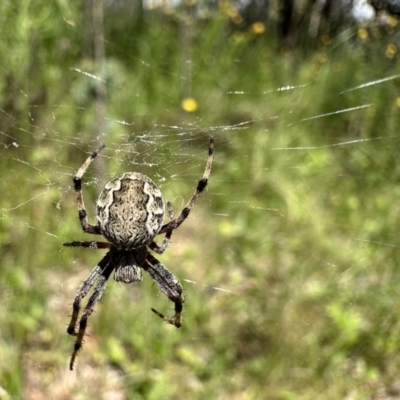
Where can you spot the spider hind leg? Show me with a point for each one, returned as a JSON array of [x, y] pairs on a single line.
[[101, 273], [176, 320], [169, 285]]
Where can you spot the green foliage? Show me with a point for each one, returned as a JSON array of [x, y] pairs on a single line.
[[292, 248]]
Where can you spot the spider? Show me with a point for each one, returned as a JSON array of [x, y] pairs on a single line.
[[129, 213]]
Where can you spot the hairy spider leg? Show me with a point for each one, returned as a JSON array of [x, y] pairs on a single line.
[[83, 291], [91, 245], [169, 285], [77, 179], [159, 249], [101, 272], [175, 223], [80, 294]]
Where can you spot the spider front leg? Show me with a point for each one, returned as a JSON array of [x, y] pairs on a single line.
[[169, 285], [91, 245], [201, 185], [77, 179]]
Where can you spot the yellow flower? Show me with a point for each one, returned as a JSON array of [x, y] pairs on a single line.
[[189, 104], [363, 34], [391, 51], [392, 21], [257, 28]]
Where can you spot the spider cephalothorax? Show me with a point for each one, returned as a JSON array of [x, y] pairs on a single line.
[[129, 213]]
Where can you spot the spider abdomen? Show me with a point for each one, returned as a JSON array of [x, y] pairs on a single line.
[[130, 210]]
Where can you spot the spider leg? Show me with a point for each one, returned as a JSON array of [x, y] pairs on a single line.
[[169, 285], [83, 291], [159, 249], [80, 294], [175, 223], [101, 273], [77, 179], [91, 245]]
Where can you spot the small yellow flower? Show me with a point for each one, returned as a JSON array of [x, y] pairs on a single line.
[[238, 19], [235, 16], [257, 28], [238, 37], [392, 21], [363, 34], [189, 104], [391, 51]]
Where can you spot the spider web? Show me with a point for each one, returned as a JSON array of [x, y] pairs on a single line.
[[270, 176]]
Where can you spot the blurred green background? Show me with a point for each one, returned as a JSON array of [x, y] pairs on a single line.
[[289, 261]]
